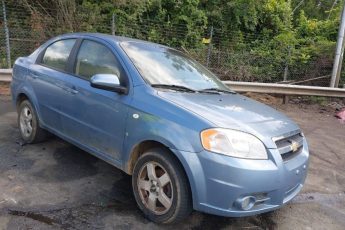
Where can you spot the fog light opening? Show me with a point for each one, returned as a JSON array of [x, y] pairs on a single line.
[[246, 202]]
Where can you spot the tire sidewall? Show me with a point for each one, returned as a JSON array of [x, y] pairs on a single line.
[[22, 105]]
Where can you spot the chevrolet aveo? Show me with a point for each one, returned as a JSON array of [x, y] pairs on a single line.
[[188, 141]]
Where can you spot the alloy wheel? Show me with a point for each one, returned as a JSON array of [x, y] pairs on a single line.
[[155, 188], [26, 121]]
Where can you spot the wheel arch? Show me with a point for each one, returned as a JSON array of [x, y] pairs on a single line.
[[20, 98], [24, 94], [139, 149]]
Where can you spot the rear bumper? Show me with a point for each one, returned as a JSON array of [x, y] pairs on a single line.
[[218, 181]]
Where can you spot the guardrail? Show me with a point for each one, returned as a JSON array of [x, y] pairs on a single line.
[[285, 89], [5, 75]]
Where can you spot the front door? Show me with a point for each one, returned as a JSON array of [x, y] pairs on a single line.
[[96, 118]]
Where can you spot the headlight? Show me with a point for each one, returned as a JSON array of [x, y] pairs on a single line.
[[233, 143]]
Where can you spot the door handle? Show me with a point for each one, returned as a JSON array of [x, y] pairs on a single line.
[[33, 75], [69, 89], [72, 90]]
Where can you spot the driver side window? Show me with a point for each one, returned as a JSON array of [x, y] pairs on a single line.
[[95, 58]]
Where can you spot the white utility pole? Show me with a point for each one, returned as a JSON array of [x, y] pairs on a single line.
[[339, 53]]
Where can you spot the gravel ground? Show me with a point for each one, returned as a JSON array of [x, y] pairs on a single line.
[[54, 185]]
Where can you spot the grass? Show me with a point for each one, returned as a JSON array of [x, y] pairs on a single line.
[[319, 100]]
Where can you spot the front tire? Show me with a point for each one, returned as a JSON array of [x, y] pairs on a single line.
[[160, 187], [28, 123]]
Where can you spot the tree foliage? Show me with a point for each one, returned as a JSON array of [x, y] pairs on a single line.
[[257, 39]]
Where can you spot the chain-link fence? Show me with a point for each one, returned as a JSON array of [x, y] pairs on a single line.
[[240, 57]]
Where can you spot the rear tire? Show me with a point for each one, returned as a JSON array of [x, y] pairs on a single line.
[[160, 187], [28, 124]]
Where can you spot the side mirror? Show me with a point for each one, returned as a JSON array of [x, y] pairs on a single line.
[[108, 82]]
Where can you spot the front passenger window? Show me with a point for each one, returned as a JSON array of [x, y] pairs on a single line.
[[94, 58]]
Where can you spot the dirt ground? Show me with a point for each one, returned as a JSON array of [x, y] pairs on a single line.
[[53, 185]]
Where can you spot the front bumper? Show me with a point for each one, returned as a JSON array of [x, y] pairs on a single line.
[[218, 181]]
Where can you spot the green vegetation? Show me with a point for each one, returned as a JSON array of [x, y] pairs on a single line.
[[319, 100], [254, 40]]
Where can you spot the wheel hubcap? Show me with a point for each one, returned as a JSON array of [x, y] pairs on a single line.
[[25, 121], [155, 188]]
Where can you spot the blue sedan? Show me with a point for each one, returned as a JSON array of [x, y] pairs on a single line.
[[188, 141]]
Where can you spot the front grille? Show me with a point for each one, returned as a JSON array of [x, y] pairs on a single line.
[[289, 146]]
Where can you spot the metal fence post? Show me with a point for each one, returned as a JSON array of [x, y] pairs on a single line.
[[8, 50], [209, 48], [286, 73], [113, 24], [286, 69]]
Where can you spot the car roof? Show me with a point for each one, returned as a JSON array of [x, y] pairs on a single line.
[[106, 37]]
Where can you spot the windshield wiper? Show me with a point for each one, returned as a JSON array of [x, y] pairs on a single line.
[[216, 90], [174, 87]]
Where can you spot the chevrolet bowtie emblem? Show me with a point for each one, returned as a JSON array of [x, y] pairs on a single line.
[[294, 146]]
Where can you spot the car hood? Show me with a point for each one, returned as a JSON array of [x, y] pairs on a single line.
[[234, 111]]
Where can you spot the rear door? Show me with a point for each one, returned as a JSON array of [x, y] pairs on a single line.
[[96, 118], [47, 77]]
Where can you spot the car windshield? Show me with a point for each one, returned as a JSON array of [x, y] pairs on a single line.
[[161, 67]]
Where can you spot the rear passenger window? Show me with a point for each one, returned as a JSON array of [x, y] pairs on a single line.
[[56, 55], [94, 58]]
